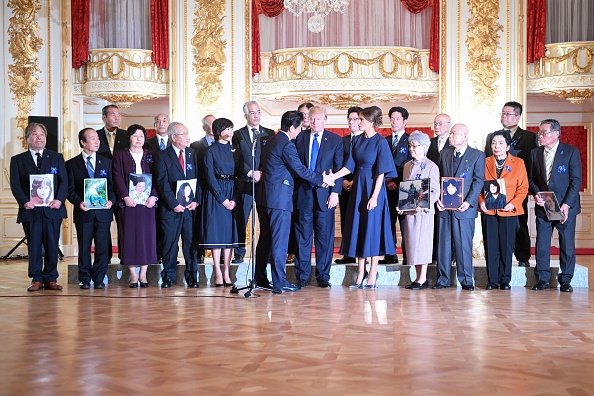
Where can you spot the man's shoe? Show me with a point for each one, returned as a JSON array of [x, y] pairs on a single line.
[[389, 259], [345, 260], [525, 264], [541, 285], [237, 259], [200, 259], [166, 284], [85, 285], [52, 286], [100, 285], [302, 283], [324, 283], [439, 286], [492, 286], [192, 283], [404, 261], [505, 286], [566, 287], [35, 286], [287, 288], [290, 258], [264, 285], [468, 287]]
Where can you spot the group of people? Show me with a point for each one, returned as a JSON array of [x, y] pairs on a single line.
[[164, 188]]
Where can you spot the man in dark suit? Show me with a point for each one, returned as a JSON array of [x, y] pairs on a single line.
[[398, 141], [347, 181], [467, 163], [111, 136], [321, 151], [160, 141], [201, 146], [555, 167], [91, 225], [41, 223], [248, 140], [280, 162], [522, 144], [177, 162]]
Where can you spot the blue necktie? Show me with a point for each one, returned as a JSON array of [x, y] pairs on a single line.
[[162, 144], [395, 142], [90, 168], [315, 149]]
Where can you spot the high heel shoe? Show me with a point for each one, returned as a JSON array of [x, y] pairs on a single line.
[[227, 284], [144, 285], [133, 285], [356, 285], [420, 286], [374, 286]]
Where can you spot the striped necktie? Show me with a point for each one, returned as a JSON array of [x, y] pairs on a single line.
[[162, 144], [549, 157], [90, 168]]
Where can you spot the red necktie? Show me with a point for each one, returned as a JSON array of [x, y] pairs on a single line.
[[181, 160]]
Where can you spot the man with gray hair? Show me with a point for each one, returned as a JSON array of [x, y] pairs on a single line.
[[111, 136], [160, 141]]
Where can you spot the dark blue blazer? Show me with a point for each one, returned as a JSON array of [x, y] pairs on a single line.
[[77, 172], [21, 167], [242, 141], [401, 154], [280, 162], [329, 158], [121, 142], [472, 169], [565, 181], [169, 171]]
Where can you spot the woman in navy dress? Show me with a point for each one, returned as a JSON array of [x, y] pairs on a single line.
[[221, 220], [367, 219], [137, 224]]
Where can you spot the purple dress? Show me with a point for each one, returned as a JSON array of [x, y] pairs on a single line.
[[136, 226]]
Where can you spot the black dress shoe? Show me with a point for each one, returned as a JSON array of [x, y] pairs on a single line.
[[85, 285], [287, 288], [439, 286], [264, 285], [541, 285], [302, 283], [492, 286], [523, 264], [468, 287], [100, 285], [420, 286], [193, 284], [566, 287], [324, 283], [410, 286], [345, 260], [504, 286], [237, 259], [166, 284], [389, 259]]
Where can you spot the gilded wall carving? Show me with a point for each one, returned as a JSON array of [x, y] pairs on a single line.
[[208, 48], [482, 41], [24, 43]]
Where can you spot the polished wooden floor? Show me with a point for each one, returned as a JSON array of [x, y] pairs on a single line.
[[388, 341]]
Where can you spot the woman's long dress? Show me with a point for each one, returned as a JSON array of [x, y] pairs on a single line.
[[220, 226], [367, 232], [418, 227]]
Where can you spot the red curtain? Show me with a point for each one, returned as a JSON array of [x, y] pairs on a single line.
[[160, 33], [79, 19], [385, 131], [270, 8], [434, 43], [416, 6], [536, 29]]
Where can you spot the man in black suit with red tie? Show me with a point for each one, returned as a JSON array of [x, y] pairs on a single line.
[[248, 139], [112, 138], [280, 162], [555, 167], [160, 141], [41, 223], [91, 224], [177, 162]]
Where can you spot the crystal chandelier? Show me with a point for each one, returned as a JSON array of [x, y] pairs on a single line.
[[319, 8]]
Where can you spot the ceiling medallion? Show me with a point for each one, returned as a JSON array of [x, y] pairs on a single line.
[[574, 96], [319, 9]]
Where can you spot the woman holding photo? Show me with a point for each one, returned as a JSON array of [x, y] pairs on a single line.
[[137, 226], [500, 225]]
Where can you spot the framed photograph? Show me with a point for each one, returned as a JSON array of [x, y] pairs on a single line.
[[413, 194], [140, 187], [186, 190], [42, 189], [551, 206], [452, 192], [96, 193], [495, 194]]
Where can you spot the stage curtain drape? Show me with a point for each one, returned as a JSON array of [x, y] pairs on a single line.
[[160, 33], [80, 32], [536, 29], [569, 20], [416, 6], [120, 24], [434, 43], [270, 8]]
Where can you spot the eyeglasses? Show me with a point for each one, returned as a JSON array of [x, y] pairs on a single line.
[[413, 146], [356, 119], [508, 114], [435, 124], [544, 133]]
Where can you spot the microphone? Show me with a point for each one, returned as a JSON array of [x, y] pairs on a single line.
[[256, 137]]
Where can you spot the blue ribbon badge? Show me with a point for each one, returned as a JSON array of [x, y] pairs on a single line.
[[103, 172], [54, 170], [189, 166], [514, 142], [418, 176], [403, 150], [508, 168], [561, 169], [463, 174]]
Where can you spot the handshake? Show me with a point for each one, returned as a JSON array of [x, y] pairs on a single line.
[[328, 179]]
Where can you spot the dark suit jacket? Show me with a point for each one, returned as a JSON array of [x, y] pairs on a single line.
[[329, 157], [280, 162], [521, 145], [241, 140], [21, 167], [121, 142], [77, 173], [472, 169], [401, 154], [153, 144], [566, 177], [433, 152], [169, 171], [201, 147], [346, 151]]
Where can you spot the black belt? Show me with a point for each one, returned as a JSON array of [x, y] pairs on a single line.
[[226, 177]]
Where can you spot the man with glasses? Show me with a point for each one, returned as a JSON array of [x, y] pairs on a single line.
[[522, 144], [555, 167]]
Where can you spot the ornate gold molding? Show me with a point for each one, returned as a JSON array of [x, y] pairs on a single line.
[[575, 96], [24, 43], [345, 101], [208, 48], [574, 55], [482, 42]]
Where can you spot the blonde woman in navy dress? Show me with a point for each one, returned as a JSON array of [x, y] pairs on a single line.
[[221, 219], [418, 225], [368, 217]]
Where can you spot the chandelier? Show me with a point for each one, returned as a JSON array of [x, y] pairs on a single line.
[[319, 8]]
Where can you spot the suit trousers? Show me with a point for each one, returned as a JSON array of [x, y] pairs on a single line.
[[313, 225], [544, 232], [394, 216], [43, 232], [86, 233], [247, 205], [176, 225], [459, 233], [522, 247], [272, 245], [499, 236]]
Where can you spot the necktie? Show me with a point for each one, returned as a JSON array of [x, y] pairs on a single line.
[[549, 156], [162, 144], [110, 138], [181, 160], [254, 134], [38, 155], [90, 168], [394, 142], [457, 156], [315, 149]]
